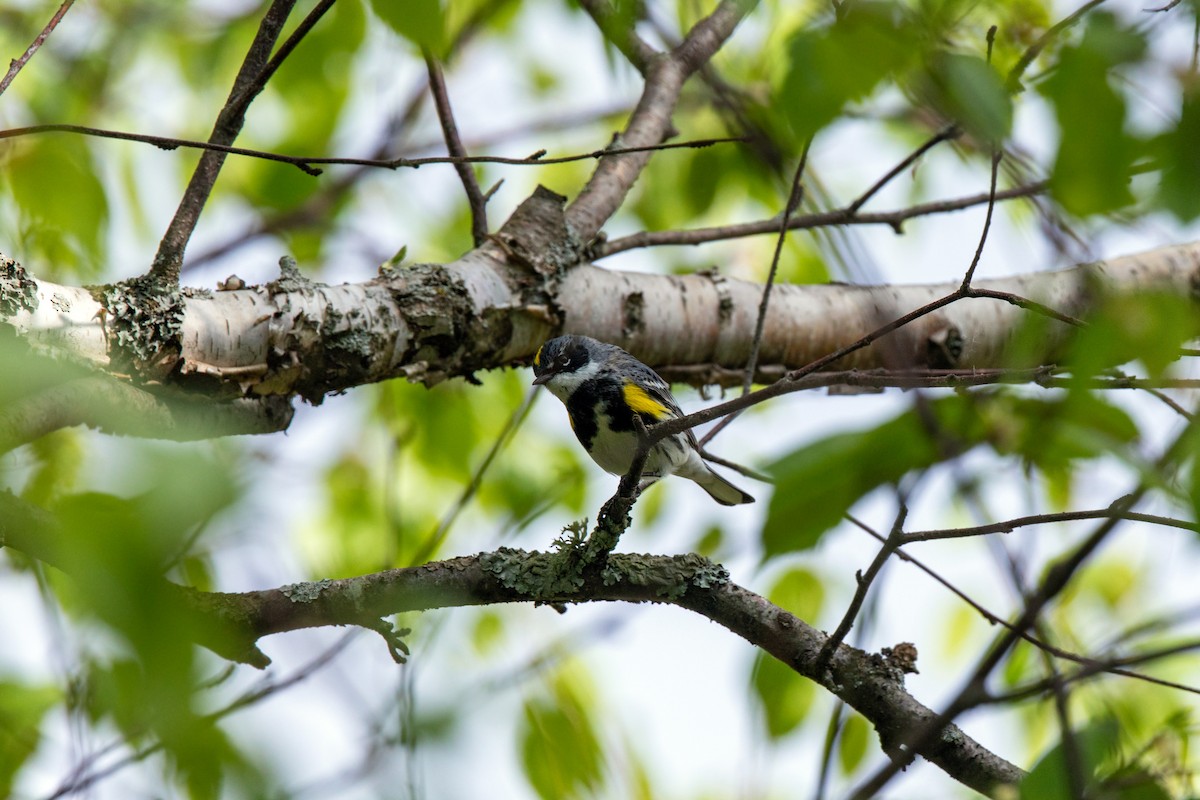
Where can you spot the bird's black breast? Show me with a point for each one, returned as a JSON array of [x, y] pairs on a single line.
[[594, 397]]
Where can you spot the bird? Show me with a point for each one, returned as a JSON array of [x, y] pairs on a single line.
[[604, 388]]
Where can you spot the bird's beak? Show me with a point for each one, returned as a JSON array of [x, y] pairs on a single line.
[[539, 380]]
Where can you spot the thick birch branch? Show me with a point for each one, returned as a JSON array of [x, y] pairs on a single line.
[[495, 305]]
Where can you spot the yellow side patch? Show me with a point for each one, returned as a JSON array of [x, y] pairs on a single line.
[[642, 403], [537, 358]]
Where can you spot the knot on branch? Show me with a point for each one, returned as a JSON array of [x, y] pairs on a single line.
[[537, 235]]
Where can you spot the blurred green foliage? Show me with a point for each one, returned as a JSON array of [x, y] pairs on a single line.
[[560, 746], [87, 209]]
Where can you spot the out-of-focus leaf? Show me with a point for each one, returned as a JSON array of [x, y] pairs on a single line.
[[22, 707], [422, 22], [1049, 777], [53, 181], [817, 484], [833, 66], [59, 457], [1095, 153], [1050, 434], [1181, 160], [1150, 327], [799, 591], [116, 551], [488, 632], [784, 696], [560, 749], [710, 542], [968, 90], [852, 743]]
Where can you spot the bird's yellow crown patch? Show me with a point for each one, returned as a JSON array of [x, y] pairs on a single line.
[[642, 403], [537, 357]]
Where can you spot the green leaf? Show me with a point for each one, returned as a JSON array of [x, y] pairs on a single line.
[[968, 90], [422, 22], [799, 591], [53, 180], [1092, 167], [488, 632], [784, 696], [852, 744], [1150, 327], [1181, 160], [817, 484], [1049, 777], [22, 707], [833, 66], [560, 749]]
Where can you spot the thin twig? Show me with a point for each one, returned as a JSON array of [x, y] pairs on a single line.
[[1010, 525], [793, 202], [987, 222], [454, 146], [948, 132], [974, 693], [305, 163], [17, 64], [795, 195], [839, 216], [1092, 665], [434, 541], [891, 544]]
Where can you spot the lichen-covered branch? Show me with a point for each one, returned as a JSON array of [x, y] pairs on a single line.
[[872, 684], [494, 306]]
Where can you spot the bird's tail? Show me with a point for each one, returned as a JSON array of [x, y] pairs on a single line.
[[717, 487]]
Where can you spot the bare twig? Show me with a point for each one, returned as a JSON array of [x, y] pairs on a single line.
[[454, 146], [1091, 666], [18, 63], [948, 132], [987, 222], [1052, 584], [1010, 525], [305, 163], [840, 216], [793, 202], [863, 580]]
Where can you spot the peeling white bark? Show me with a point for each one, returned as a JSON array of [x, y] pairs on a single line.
[[312, 338]]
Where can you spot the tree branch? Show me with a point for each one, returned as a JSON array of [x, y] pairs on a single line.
[[650, 122], [840, 216], [118, 407], [454, 146], [489, 309], [867, 682], [251, 78], [18, 63]]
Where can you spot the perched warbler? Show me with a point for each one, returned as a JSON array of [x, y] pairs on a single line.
[[604, 388]]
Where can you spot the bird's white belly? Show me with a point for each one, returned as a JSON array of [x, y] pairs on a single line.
[[614, 453]]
